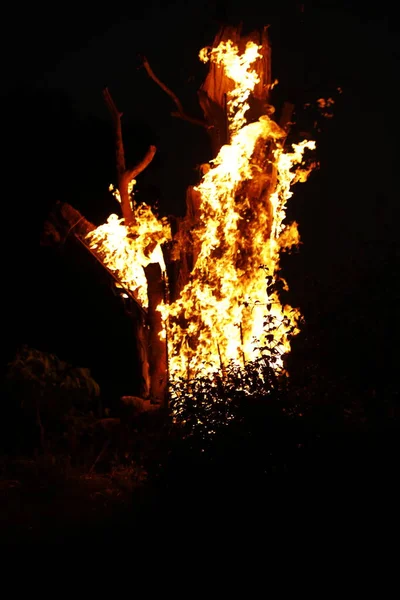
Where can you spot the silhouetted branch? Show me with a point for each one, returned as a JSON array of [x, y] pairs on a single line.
[[180, 113], [132, 173], [124, 176], [116, 118]]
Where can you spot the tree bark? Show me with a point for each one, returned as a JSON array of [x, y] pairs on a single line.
[[216, 87], [182, 254], [157, 347]]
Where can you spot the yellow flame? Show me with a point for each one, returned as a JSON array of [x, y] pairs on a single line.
[[115, 192], [237, 68], [125, 250], [226, 312]]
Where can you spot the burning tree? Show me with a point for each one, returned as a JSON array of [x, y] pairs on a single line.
[[206, 285]]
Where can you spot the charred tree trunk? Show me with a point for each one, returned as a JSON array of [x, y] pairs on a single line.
[[213, 99], [157, 348], [151, 349], [214, 92]]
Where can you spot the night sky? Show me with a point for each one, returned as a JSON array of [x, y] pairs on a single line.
[[58, 145]]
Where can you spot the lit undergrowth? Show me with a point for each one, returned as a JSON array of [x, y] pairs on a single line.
[[203, 406], [206, 404]]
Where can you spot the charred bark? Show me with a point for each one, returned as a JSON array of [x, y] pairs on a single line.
[[180, 113], [157, 348]]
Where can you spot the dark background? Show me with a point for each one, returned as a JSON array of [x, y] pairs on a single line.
[[57, 144]]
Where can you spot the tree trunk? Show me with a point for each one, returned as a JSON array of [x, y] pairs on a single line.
[[212, 98], [217, 85], [157, 348]]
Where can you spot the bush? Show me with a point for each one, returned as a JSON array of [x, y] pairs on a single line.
[[43, 391]]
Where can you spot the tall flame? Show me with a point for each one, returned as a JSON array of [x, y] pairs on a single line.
[[237, 67], [225, 313]]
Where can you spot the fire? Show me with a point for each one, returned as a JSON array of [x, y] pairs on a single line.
[[126, 250], [230, 309], [225, 313], [237, 67]]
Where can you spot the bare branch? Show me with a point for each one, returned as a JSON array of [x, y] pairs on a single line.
[[132, 173], [124, 176], [192, 120], [116, 117], [180, 113], [111, 105], [162, 85]]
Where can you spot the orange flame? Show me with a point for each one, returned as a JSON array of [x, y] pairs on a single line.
[[225, 313], [125, 250], [227, 310]]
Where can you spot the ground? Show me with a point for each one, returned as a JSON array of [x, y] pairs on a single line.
[[343, 475], [39, 505]]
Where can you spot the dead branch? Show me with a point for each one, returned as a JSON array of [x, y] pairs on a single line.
[[192, 120], [124, 176], [132, 173], [180, 113], [116, 118], [162, 85]]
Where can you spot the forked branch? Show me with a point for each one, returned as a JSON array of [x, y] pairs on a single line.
[[180, 113], [125, 176]]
